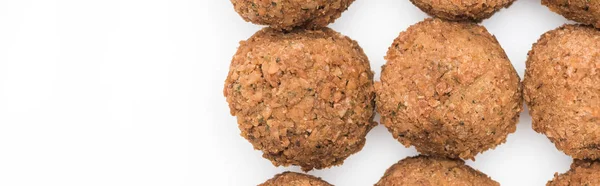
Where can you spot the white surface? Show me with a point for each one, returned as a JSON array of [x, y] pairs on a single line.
[[129, 92]]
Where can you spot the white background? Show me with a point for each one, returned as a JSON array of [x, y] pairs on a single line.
[[129, 92]]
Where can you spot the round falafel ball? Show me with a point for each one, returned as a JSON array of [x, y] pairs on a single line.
[[464, 10], [583, 11], [288, 14], [562, 89], [303, 97], [295, 179], [424, 170], [448, 89], [582, 172]]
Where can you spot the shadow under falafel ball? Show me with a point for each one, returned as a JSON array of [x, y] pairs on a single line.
[[303, 97], [448, 89], [583, 172], [288, 14], [464, 10], [424, 170], [562, 89], [583, 11], [295, 179]]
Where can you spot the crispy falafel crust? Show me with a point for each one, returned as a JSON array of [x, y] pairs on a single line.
[[583, 11], [562, 89], [295, 179], [288, 14], [464, 10], [423, 170], [449, 89], [304, 97], [583, 172]]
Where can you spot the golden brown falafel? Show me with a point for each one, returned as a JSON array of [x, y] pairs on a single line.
[[464, 10], [562, 89], [304, 97], [583, 11], [583, 172], [295, 179], [423, 170], [448, 89], [288, 14]]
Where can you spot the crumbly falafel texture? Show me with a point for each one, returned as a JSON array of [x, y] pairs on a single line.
[[423, 170], [295, 179], [448, 89], [583, 11], [463, 10], [289, 14], [583, 172], [303, 97], [562, 89]]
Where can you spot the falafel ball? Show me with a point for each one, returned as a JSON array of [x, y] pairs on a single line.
[[288, 14], [295, 179], [424, 170], [448, 89], [303, 97], [465, 10], [583, 11], [562, 91], [582, 172]]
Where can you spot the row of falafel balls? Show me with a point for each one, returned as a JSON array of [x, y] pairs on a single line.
[[304, 94]]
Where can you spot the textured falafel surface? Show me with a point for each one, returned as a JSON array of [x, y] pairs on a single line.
[[295, 179], [303, 97], [583, 11], [463, 10], [448, 89], [423, 170], [562, 89], [583, 172], [288, 14]]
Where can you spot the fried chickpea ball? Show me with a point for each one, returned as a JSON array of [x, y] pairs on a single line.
[[295, 179], [464, 10], [583, 11], [583, 172], [448, 89], [288, 14], [423, 170], [562, 89], [303, 98]]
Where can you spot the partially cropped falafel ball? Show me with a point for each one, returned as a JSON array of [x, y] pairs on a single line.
[[562, 89], [448, 89], [423, 170], [583, 172], [304, 97], [295, 179], [583, 11], [464, 10], [287, 14]]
